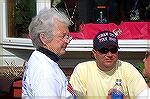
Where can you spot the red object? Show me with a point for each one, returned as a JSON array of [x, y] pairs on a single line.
[[135, 30], [130, 30], [69, 88], [76, 35], [17, 89]]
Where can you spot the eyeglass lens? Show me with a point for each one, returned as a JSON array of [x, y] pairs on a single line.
[[106, 50]]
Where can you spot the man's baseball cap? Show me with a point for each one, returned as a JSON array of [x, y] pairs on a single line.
[[104, 39]]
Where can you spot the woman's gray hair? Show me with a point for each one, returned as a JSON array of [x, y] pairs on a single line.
[[44, 22]]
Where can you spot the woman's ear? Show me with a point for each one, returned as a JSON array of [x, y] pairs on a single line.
[[43, 38]]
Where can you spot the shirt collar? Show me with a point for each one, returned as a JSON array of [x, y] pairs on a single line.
[[49, 54]]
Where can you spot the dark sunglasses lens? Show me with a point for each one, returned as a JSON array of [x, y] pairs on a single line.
[[114, 50], [104, 50]]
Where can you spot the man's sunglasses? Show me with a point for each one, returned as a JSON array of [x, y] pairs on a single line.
[[106, 50], [146, 55]]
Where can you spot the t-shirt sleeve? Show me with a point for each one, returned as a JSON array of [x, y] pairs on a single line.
[[78, 80], [135, 81]]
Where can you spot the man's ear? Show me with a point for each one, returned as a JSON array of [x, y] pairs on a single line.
[[43, 38], [93, 53]]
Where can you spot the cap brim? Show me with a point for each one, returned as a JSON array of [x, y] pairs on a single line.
[[107, 44]]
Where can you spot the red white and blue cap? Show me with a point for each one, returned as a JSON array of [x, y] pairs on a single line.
[[105, 39]]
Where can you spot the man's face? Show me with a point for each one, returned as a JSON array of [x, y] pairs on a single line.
[[106, 57], [60, 39], [146, 61]]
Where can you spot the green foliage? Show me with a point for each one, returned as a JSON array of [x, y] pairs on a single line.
[[24, 11], [140, 67]]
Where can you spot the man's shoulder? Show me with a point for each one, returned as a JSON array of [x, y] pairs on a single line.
[[120, 62], [86, 64], [125, 66]]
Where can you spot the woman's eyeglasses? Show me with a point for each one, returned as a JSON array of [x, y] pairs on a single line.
[[67, 38], [106, 50]]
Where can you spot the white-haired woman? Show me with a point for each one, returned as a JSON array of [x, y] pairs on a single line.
[[50, 35]]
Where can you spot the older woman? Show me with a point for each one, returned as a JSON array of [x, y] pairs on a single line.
[[50, 35]]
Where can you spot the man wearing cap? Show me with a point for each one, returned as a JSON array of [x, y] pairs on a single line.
[[97, 77]]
